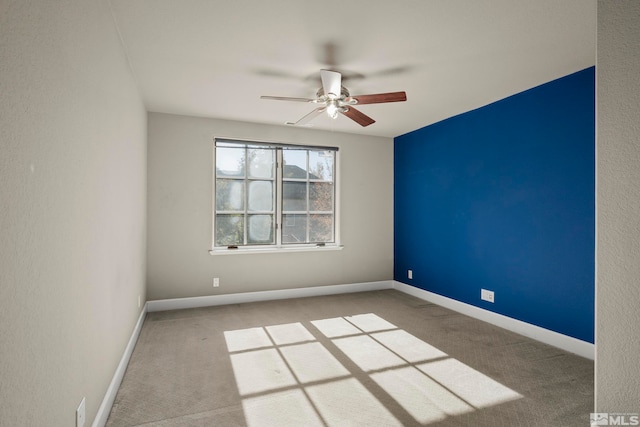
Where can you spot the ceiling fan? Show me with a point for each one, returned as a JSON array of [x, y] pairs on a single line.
[[335, 99]]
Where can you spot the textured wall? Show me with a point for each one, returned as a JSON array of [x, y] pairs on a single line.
[[618, 208], [72, 212], [502, 198], [180, 175]]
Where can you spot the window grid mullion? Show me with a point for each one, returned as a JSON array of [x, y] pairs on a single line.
[[279, 192], [246, 195], [308, 202]]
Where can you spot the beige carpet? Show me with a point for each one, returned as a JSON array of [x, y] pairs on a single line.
[[367, 359]]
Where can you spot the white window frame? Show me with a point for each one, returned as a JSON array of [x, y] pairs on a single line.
[[278, 246]]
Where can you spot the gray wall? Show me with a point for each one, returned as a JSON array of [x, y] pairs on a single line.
[[72, 212], [180, 171], [618, 207]]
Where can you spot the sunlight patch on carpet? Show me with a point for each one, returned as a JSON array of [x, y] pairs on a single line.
[[337, 327], [289, 333], [407, 346], [349, 403], [422, 397], [260, 370], [312, 362], [291, 375], [367, 353], [246, 339], [472, 386], [370, 322], [286, 408]]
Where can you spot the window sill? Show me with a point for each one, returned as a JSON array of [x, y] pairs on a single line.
[[273, 250]]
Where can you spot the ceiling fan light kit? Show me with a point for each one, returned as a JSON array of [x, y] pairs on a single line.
[[335, 99]]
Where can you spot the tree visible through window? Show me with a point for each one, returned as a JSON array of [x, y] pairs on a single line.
[[273, 194]]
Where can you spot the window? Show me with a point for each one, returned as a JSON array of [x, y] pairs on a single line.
[[271, 195]]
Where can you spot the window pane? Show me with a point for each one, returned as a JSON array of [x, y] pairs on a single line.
[[230, 161], [260, 196], [321, 228], [294, 229], [295, 164], [321, 165], [261, 162], [294, 196], [321, 196], [229, 195], [229, 230], [260, 229]]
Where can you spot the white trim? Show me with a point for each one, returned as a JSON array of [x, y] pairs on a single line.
[[107, 402], [273, 249], [212, 300], [564, 342]]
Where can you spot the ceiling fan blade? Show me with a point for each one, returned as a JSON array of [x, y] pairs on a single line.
[[286, 98], [331, 83], [358, 117], [380, 98], [306, 119]]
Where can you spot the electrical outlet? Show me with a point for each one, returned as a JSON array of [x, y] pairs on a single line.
[[216, 282], [410, 274], [486, 295], [80, 414]]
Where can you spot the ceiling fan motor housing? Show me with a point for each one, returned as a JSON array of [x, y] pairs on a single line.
[[344, 94]]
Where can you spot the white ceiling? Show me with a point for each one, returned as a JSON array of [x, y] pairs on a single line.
[[214, 58]]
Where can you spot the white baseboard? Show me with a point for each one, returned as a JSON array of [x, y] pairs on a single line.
[[110, 396], [564, 342], [212, 300]]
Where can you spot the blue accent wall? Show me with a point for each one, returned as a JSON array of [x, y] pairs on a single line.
[[503, 198]]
